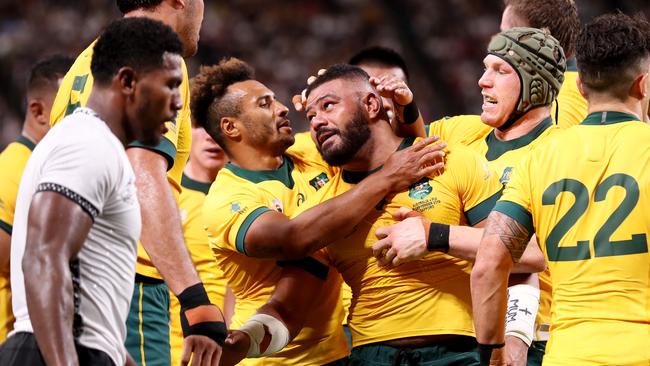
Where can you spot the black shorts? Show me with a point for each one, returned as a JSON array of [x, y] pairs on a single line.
[[21, 349]]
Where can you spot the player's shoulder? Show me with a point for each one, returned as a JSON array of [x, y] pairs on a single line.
[[459, 128], [231, 180]]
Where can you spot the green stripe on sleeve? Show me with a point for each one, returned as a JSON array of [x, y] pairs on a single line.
[[165, 148], [6, 227], [243, 229], [481, 211], [518, 213]]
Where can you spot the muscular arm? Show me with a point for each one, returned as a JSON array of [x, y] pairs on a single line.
[[5, 252], [406, 241], [162, 234], [273, 235], [57, 229], [502, 245]]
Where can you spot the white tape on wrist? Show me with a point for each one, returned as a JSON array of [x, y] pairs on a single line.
[[260, 325], [523, 302]]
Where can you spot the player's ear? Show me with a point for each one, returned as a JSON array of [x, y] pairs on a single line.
[[178, 4], [372, 104], [230, 127], [581, 87], [126, 78], [36, 108], [639, 87]]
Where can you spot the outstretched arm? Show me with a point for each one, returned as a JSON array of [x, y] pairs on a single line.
[[415, 236], [57, 229], [273, 235], [162, 238], [279, 320], [503, 244]]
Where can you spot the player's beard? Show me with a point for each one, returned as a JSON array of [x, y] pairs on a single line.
[[357, 132]]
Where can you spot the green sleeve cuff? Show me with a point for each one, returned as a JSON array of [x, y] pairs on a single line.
[[481, 211], [6, 227], [427, 129], [243, 229], [165, 148], [518, 213]]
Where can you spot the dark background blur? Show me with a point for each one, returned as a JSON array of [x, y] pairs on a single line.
[[443, 42]]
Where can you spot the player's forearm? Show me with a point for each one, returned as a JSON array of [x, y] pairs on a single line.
[[489, 282], [335, 218], [415, 129], [50, 305], [162, 235]]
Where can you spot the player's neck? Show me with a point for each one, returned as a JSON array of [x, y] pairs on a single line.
[[199, 173], [31, 132], [103, 102], [523, 125], [376, 150], [608, 104], [253, 158]]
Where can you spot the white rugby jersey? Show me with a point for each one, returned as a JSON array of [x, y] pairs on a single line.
[[81, 159]]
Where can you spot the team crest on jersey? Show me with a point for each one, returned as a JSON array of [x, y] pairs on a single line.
[[301, 199], [420, 189], [277, 205], [505, 177], [319, 181]]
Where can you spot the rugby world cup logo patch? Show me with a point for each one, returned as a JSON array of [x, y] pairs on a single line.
[[420, 189]]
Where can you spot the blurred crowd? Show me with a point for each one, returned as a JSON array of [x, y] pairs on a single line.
[[443, 42]]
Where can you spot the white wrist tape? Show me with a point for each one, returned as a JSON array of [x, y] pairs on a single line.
[[260, 325], [523, 302]]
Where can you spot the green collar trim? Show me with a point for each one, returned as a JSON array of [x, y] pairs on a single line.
[[572, 65], [281, 174], [496, 147], [356, 177], [25, 141], [608, 118], [195, 185]]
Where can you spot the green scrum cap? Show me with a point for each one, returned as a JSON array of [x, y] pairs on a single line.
[[539, 61]]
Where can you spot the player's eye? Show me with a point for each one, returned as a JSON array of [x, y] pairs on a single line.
[[327, 105]]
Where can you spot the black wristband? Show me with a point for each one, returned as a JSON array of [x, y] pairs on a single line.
[[411, 112], [193, 296], [485, 352], [438, 240]]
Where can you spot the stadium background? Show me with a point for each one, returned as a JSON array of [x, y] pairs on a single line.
[[443, 42]]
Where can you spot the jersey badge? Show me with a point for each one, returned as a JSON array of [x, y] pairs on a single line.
[[420, 189], [319, 181], [276, 205], [505, 177]]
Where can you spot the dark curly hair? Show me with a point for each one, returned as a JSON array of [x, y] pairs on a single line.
[[209, 101], [139, 43], [612, 50], [559, 16], [126, 6]]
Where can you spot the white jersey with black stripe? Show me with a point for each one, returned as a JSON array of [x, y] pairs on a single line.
[[81, 159]]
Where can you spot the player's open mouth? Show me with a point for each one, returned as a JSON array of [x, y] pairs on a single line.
[[284, 123], [489, 99], [323, 136]]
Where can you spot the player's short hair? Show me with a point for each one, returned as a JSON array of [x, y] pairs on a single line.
[[559, 16], [136, 42], [46, 72], [611, 51], [126, 6], [338, 71], [382, 56], [209, 100]]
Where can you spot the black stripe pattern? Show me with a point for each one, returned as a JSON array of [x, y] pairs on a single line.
[[72, 195]]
